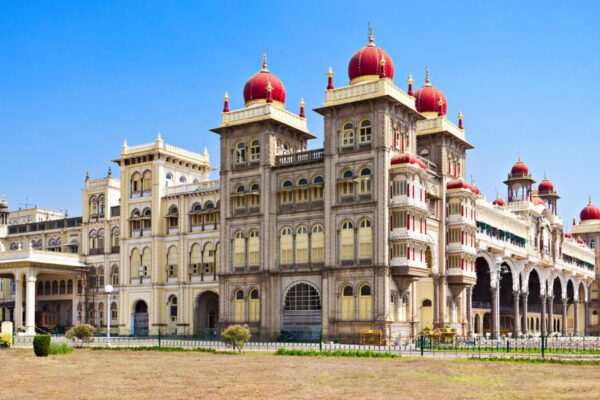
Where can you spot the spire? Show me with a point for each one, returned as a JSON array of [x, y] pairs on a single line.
[[159, 141], [590, 203], [87, 176], [330, 79], [124, 147], [226, 103], [302, 115], [460, 120], [427, 81], [410, 85], [269, 92], [109, 172], [371, 38], [264, 62], [382, 69]]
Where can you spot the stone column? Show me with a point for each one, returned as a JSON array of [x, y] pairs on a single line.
[[495, 312], [564, 317], [30, 304], [436, 305], [525, 328], [550, 315], [469, 311], [586, 307], [575, 317], [543, 321], [517, 317], [18, 310]]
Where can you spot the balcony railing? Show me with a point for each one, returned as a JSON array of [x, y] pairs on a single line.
[[305, 157]]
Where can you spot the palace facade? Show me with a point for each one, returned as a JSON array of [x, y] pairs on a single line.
[[378, 229]]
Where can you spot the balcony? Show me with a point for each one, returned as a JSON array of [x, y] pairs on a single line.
[[402, 267], [304, 157], [405, 201], [196, 187], [407, 234], [94, 252], [461, 248], [460, 277], [460, 220]]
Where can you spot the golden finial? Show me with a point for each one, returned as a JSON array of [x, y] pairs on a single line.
[[427, 81], [301, 101], [264, 62], [226, 96], [330, 72], [269, 87], [371, 38], [460, 114], [410, 79]]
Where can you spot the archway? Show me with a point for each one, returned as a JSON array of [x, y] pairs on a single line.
[[206, 315], [569, 324], [534, 305], [172, 315], [302, 313], [139, 319], [556, 305], [482, 297], [507, 300]]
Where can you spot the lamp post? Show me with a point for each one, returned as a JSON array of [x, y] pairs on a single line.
[[108, 290]]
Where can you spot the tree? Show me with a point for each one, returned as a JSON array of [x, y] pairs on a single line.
[[236, 335], [82, 333]]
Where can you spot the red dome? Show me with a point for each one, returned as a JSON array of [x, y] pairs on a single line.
[[538, 201], [568, 235], [430, 99], [406, 158], [590, 212], [546, 186], [366, 62], [580, 241], [256, 88], [499, 202], [475, 189], [519, 169]]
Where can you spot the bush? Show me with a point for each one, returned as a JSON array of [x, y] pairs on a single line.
[[59, 348], [6, 339], [41, 345], [236, 335], [81, 333]]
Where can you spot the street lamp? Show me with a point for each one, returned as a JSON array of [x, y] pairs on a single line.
[[108, 290]]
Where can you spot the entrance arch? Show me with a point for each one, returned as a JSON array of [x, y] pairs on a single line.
[[139, 319], [206, 315], [302, 313]]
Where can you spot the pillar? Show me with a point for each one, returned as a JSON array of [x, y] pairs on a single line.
[[30, 304], [18, 310], [524, 328], [564, 317], [469, 310], [436, 305], [495, 313], [586, 307], [575, 317], [517, 317], [543, 320], [550, 315]]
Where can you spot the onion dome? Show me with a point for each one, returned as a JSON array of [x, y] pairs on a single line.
[[264, 86], [475, 189], [430, 99], [546, 186], [590, 212], [568, 235], [580, 241], [366, 64], [499, 202], [519, 169], [406, 158], [3, 203]]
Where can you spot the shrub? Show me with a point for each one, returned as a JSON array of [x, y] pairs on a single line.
[[59, 348], [6, 339], [81, 333], [236, 335], [41, 345]]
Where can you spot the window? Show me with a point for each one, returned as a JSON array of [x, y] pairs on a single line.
[[399, 219], [253, 248], [302, 191], [239, 199], [240, 154], [147, 182], [301, 245], [454, 207], [100, 277], [114, 236], [136, 183], [254, 196], [347, 184], [135, 262], [365, 239], [173, 217], [62, 287], [254, 309], [239, 250], [239, 306], [365, 132], [364, 186], [101, 239], [113, 311], [182, 179], [286, 193], [347, 241], [195, 259], [93, 240], [114, 275], [147, 219], [146, 261], [208, 259], [135, 221], [399, 250], [70, 286], [347, 303], [286, 247], [254, 151], [172, 262], [318, 188], [364, 303], [318, 244], [347, 137]]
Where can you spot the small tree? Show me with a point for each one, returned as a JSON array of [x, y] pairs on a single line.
[[236, 335], [82, 333], [41, 345]]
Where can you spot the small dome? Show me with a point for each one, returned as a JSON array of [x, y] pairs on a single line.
[[546, 186], [475, 189], [499, 202], [590, 212], [568, 235], [405, 158], [538, 201], [429, 99], [256, 89], [366, 63], [519, 169], [580, 241]]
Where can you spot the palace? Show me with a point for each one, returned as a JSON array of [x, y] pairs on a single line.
[[378, 229]]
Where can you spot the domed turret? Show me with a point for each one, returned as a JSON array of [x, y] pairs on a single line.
[[429, 99], [405, 158], [264, 87], [366, 64], [590, 213], [546, 186], [499, 202], [519, 169]]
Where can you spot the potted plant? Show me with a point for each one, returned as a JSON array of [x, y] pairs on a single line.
[[5, 340]]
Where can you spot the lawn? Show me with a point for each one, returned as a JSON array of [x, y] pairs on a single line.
[[170, 375]]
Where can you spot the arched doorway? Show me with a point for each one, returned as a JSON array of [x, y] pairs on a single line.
[[139, 319], [556, 305], [482, 297], [534, 304], [507, 302], [172, 315], [302, 313], [206, 315]]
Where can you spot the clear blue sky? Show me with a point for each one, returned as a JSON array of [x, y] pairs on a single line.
[[76, 78]]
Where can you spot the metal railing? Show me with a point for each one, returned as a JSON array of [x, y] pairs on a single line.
[[304, 157]]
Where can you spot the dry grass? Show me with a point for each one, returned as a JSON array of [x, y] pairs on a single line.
[[86, 374]]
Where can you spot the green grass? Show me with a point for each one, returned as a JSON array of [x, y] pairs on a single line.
[[59, 348], [512, 349], [155, 348], [537, 360], [335, 353]]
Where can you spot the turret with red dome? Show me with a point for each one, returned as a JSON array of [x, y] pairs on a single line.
[[547, 193], [430, 100], [519, 182], [264, 87], [590, 213], [366, 64]]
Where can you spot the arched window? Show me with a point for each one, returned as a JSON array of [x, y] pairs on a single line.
[[147, 219], [93, 206], [254, 196], [195, 259], [54, 287], [136, 183], [135, 222], [239, 306], [253, 248], [135, 262], [317, 242], [114, 273], [365, 239], [365, 132], [62, 288], [347, 136], [182, 179], [113, 311], [172, 262], [100, 314], [47, 288], [146, 261], [147, 182], [239, 250], [286, 192], [101, 277], [347, 303], [101, 206], [70, 286], [318, 188], [217, 257], [286, 246], [301, 190], [254, 306], [40, 288], [169, 176], [115, 237], [346, 185], [364, 303], [302, 245], [364, 186], [254, 151], [101, 239], [208, 258], [93, 240], [239, 199], [173, 217], [347, 241], [240, 154]]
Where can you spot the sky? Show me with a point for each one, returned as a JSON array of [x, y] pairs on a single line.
[[77, 78]]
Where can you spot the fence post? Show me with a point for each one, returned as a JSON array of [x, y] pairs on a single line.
[[421, 339], [542, 346], [159, 337]]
